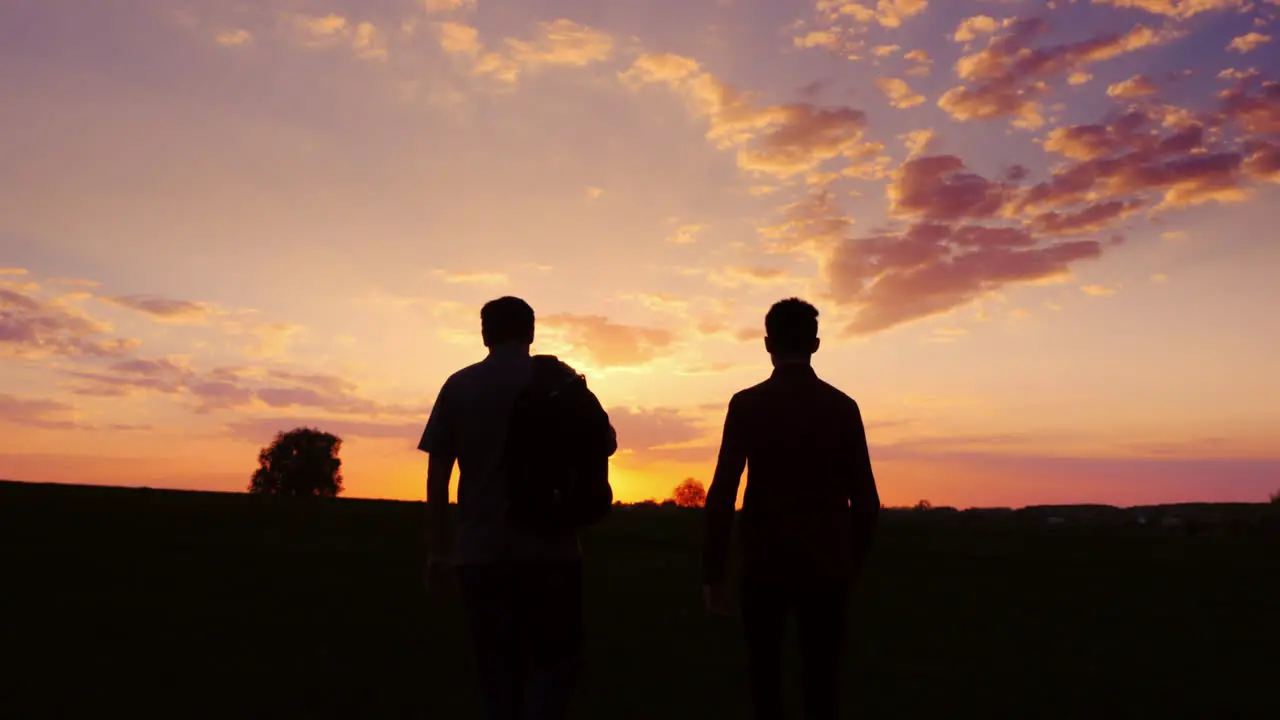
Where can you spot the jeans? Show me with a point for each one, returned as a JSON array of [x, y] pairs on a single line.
[[819, 609], [527, 633]]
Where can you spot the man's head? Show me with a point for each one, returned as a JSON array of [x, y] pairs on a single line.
[[506, 321], [791, 331]]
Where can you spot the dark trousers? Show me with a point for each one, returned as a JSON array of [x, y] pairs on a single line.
[[819, 609], [526, 630]]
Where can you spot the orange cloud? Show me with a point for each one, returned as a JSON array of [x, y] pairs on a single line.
[[885, 50], [473, 277], [559, 43], [1135, 87], [738, 275], [931, 268], [609, 344], [1177, 9], [686, 234], [780, 140], [925, 63], [1097, 290], [938, 187], [440, 6], [1248, 42], [899, 93], [34, 328], [1008, 78], [1259, 113], [164, 309], [971, 28], [232, 38], [40, 413]]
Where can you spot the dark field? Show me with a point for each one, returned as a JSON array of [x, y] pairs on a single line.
[[151, 603]]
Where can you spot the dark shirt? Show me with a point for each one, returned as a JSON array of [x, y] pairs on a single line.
[[810, 507]]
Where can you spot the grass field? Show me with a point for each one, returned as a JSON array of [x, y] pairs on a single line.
[[143, 602]]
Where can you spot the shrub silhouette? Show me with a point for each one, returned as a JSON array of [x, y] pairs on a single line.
[[689, 494], [298, 463], [1275, 498]]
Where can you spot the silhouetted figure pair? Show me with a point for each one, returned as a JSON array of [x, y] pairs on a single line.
[[532, 444]]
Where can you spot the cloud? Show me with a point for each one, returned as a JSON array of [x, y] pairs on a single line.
[[1255, 113], [37, 412], [971, 28], [266, 340], [12, 271], [164, 309], [594, 192], [1097, 290], [932, 268], [1135, 87], [780, 140], [1263, 162], [609, 344], [473, 277], [33, 328], [661, 302], [1176, 9], [886, 50], [233, 38], [918, 142], [559, 43], [736, 276], [1091, 219], [440, 6], [924, 62], [939, 187], [1008, 78], [686, 234], [459, 38], [643, 429], [812, 224], [1133, 156], [899, 93], [363, 39], [1248, 42]]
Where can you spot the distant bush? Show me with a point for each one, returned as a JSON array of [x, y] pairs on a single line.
[[689, 494], [923, 506], [1275, 498], [301, 462]]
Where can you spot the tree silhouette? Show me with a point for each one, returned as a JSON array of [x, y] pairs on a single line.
[[924, 506], [301, 462], [1275, 498], [689, 494]]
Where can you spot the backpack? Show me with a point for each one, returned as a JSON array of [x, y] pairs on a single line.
[[557, 451]]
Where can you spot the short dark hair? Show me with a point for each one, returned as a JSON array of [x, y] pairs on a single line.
[[507, 319], [792, 326]]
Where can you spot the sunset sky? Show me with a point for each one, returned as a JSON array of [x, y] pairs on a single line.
[[1042, 235]]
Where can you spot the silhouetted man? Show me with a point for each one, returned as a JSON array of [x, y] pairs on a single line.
[[522, 586], [808, 514]]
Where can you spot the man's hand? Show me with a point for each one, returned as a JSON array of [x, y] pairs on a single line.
[[439, 572], [717, 599]]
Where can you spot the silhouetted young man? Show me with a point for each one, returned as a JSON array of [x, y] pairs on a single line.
[[523, 590], [808, 515]]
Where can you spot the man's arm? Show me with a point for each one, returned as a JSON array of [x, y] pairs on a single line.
[[864, 499], [722, 496], [439, 540], [440, 442]]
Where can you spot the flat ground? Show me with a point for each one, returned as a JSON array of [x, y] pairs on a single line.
[[143, 602]]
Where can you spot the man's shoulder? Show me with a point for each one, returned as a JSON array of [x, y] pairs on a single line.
[[837, 396]]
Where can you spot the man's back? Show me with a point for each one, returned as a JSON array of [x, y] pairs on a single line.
[[471, 420], [809, 480]]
